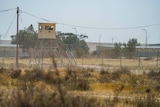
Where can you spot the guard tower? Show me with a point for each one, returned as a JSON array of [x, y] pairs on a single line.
[[46, 45], [46, 31]]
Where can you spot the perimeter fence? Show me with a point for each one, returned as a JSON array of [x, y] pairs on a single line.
[[104, 59]]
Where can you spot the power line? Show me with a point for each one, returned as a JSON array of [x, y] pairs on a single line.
[[10, 26], [86, 27], [7, 10], [120, 28], [21, 20], [96, 28], [36, 16]]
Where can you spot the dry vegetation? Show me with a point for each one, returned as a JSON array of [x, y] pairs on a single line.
[[81, 87], [95, 62]]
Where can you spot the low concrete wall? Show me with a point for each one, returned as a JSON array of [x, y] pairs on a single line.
[[11, 52]]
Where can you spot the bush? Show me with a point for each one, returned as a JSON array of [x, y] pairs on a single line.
[[2, 70], [76, 79], [15, 74], [148, 101], [154, 75], [51, 77], [33, 75], [103, 72], [105, 78], [117, 74]]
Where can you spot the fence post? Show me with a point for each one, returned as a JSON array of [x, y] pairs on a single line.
[[158, 58]]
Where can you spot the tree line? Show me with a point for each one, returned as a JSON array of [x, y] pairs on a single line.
[[127, 50], [28, 38]]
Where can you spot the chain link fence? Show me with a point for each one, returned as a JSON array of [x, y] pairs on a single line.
[[101, 59]]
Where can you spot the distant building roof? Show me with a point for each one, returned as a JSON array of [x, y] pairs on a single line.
[[93, 45]]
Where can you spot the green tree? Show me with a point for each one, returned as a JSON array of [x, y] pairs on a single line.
[[117, 49], [71, 39], [83, 45], [27, 39], [77, 42], [130, 47]]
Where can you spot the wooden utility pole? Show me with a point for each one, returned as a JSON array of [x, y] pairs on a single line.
[[17, 38], [157, 58]]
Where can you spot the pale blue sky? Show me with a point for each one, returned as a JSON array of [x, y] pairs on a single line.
[[88, 13]]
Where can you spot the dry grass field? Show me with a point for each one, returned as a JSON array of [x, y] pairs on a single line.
[[90, 83]]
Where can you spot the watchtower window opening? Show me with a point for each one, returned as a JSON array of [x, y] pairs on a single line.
[[49, 27], [40, 27]]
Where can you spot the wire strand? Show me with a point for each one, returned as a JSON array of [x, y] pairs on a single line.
[[7, 10], [10, 26], [120, 28], [36, 16], [96, 28], [21, 20]]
